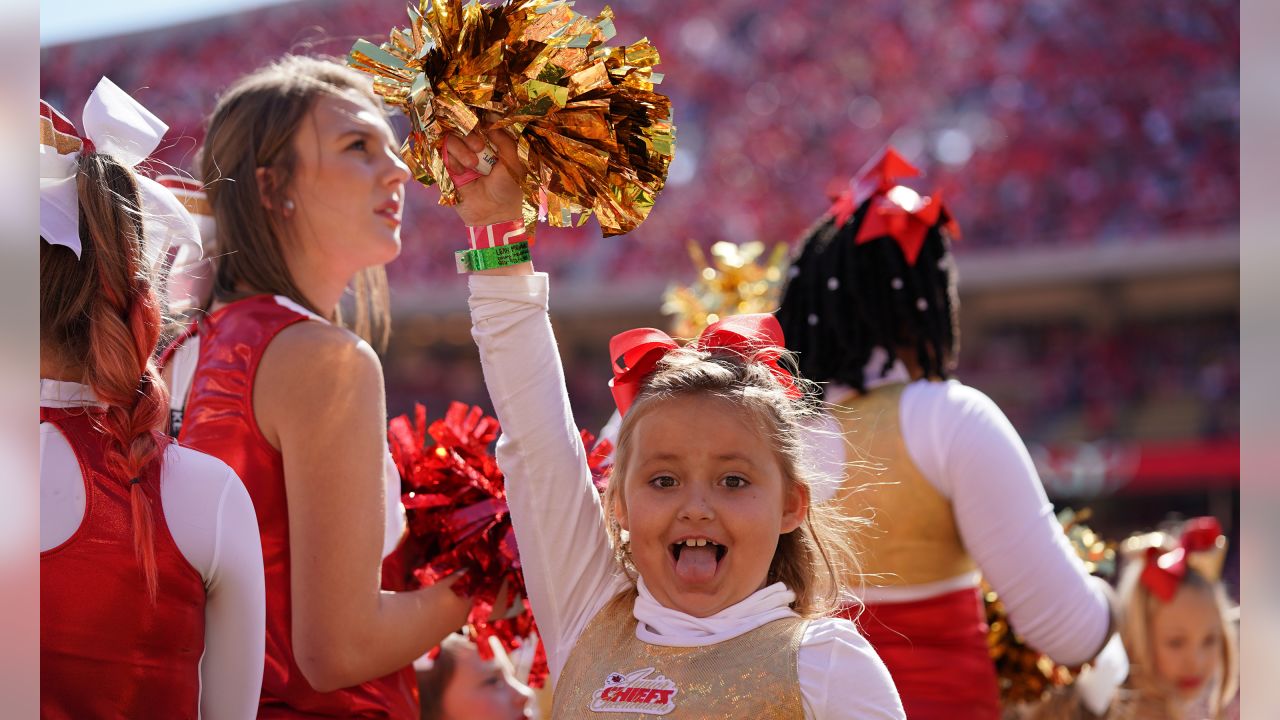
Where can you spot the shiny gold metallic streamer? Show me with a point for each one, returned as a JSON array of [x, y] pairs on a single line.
[[733, 283], [593, 135]]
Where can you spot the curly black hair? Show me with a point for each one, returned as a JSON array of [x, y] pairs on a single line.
[[843, 299]]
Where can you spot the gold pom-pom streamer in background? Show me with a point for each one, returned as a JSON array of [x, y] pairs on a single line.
[[1026, 675], [592, 134], [732, 284]]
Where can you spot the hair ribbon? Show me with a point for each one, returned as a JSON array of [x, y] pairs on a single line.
[[896, 210], [117, 125], [1165, 569], [756, 337]]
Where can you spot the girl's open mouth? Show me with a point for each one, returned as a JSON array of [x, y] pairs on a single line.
[[697, 559]]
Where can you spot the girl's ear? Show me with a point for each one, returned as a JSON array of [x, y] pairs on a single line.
[[620, 512], [266, 185], [795, 506]]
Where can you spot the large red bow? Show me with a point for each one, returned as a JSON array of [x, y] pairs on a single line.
[[635, 353], [896, 211], [1165, 570]]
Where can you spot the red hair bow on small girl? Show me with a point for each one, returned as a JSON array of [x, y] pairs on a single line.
[[635, 353], [1165, 569]]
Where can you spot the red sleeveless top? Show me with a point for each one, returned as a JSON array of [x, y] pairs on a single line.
[[219, 420], [107, 651]]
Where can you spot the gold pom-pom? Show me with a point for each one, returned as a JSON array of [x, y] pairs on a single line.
[[734, 283], [593, 135], [1025, 674]]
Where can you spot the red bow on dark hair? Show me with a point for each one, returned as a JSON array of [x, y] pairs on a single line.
[[1165, 570], [905, 217], [636, 352]]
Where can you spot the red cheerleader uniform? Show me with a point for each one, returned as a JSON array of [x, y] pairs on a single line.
[[219, 420], [106, 650]]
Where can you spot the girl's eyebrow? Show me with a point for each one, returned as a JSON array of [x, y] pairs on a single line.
[[668, 456], [366, 130]]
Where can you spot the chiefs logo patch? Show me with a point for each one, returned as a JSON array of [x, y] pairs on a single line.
[[635, 692]]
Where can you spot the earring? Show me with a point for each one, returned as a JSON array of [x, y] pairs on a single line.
[[288, 206]]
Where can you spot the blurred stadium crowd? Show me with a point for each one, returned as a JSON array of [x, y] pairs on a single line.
[[1043, 122]]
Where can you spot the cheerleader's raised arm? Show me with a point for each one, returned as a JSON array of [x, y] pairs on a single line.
[[717, 608], [555, 508]]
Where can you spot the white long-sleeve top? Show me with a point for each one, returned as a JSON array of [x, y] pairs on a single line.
[[212, 521], [569, 568], [970, 453]]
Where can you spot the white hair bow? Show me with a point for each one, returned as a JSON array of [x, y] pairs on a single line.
[[116, 125]]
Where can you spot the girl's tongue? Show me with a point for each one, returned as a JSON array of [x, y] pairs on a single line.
[[696, 564]]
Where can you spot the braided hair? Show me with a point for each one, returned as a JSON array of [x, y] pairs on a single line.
[[101, 312], [844, 299]]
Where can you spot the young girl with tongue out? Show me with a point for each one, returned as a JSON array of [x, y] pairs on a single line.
[[697, 588]]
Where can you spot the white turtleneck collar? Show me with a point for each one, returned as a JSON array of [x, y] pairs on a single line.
[[60, 394], [660, 625]]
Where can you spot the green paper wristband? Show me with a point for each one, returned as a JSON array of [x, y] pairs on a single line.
[[492, 257]]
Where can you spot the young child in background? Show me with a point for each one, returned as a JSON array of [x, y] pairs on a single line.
[[460, 685], [698, 588], [1178, 631], [1177, 627]]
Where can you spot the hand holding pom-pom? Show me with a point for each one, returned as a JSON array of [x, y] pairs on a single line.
[[591, 134], [486, 169]]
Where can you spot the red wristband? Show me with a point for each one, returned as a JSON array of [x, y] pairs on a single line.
[[504, 233]]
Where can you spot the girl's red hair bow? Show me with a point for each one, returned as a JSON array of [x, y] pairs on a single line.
[[635, 353], [1165, 569]]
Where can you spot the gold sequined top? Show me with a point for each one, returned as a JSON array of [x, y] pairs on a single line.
[[914, 539], [612, 674]]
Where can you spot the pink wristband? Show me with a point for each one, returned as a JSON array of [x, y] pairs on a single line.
[[503, 233]]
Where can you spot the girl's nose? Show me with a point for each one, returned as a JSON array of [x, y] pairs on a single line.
[[397, 173], [1206, 658], [696, 506]]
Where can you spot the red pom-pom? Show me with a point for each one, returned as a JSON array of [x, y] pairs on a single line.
[[456, 502], [599, 459]]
